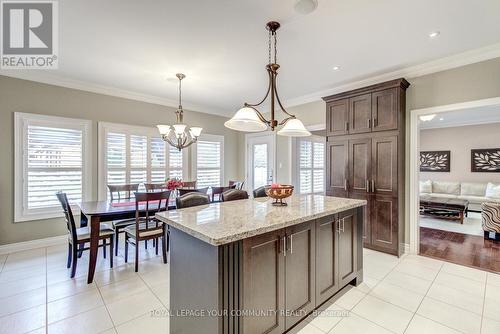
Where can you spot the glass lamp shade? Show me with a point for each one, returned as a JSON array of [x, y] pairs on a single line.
[[196, 131], [294, 128], [179, 129], [163, 129], [246, 119]]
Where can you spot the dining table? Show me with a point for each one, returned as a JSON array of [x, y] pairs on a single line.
[[93, 213]]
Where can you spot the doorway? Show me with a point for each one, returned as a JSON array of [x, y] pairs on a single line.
[[260, 159]]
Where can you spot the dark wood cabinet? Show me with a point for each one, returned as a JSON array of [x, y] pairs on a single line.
[[360, 114], [336, 176], [337, 118], [347, 236], [385, 110], [375, 140], [300, 272], [265, 288], [327, 280]]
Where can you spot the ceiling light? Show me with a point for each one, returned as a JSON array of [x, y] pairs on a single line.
[[249, 119], [434, 34], [305, 6], [426, 118], [441, 119], [179, 135], [336, 68]]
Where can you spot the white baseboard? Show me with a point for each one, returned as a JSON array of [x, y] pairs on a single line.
[[32, 244]]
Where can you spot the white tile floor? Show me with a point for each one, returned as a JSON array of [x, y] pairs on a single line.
[[411, 295]]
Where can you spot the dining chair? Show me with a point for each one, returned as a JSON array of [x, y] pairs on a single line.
[[155, 186], [146, 226], [189, 184], [183, 191], [233, 195], [191, 199], [239, 184], [79, 236], [119, 192], [219, 190], [259, 192]]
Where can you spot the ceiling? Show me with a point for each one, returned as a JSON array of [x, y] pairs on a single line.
[[469, 116], [221, 45]]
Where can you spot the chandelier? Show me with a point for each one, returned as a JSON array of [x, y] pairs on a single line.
[[249, 119], [179, 135]]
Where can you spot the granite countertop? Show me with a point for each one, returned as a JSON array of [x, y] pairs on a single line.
[[225, 222]]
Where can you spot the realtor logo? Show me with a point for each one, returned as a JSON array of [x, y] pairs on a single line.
[[29, 34]]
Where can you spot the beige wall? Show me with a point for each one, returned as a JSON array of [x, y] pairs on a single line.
[[460, 140], [30, 97]]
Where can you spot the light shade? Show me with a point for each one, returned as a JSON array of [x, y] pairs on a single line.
[[294, 128], [196, 131], [305, 6], [163, 129], [246, 119], [179, 129]]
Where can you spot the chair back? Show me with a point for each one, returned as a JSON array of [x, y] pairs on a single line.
[[191, 199], [237, 184], [122, 191], [189, 184], [259, 192], [183, 191], [233, 195], [220, 190], [145, 209], [155, 186], [68, 214]]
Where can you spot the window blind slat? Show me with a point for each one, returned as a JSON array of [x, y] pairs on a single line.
[[208, 163], [311, 166]]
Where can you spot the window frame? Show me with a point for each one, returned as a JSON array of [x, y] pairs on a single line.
[[128, 130], [21, 122], [194, 155], [296, 163]]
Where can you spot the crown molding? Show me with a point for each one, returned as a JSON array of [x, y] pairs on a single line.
[[51, 79], [434, 66]]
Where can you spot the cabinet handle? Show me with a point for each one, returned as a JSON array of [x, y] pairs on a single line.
[[375, 122], [373, 186], [367, 186], [291, 244], [346, 126], [284, 246], [345, 184], [338, 226], [343, 224], [369, 121]]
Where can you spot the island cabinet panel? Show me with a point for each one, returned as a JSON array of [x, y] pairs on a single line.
[[384, 223], [264, 283], [347, 247], [327, 282], [300, 298]]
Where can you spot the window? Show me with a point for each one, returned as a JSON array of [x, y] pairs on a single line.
[[311, 165], [51, 154], [208, 164], [134, 154]]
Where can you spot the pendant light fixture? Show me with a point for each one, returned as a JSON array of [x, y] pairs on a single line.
[[179, 135], [249, 119]]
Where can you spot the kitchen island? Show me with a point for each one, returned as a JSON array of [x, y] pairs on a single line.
[[249, 267]]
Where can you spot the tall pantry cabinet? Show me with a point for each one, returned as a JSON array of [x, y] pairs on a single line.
[[365, 131]]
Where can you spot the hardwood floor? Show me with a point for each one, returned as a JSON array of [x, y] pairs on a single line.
[[464, 249]]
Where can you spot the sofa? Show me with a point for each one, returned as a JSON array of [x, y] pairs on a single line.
[[475, 193]]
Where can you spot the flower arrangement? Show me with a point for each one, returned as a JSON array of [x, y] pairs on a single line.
[[174, 183]]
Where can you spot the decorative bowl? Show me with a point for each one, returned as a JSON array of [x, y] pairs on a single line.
[[279, 192]]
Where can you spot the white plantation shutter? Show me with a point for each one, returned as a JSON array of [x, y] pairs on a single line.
[[136, 154], [49, 158], [208, 161], [311, 166]]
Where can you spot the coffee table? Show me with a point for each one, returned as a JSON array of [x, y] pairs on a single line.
[[447, 208]]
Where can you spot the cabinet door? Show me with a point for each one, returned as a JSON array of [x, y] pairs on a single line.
[[300, 272], [360, 114], [347, 247], [327, 283], [366, 216], [384, 223], [337, 117], [385, 110], [337, 158], [264, 286], [359, 165], [385, 166]]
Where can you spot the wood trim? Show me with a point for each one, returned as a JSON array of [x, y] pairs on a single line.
[[398, 83]]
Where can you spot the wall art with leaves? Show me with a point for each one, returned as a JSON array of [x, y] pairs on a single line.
[[435, 161], [485, 160]]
